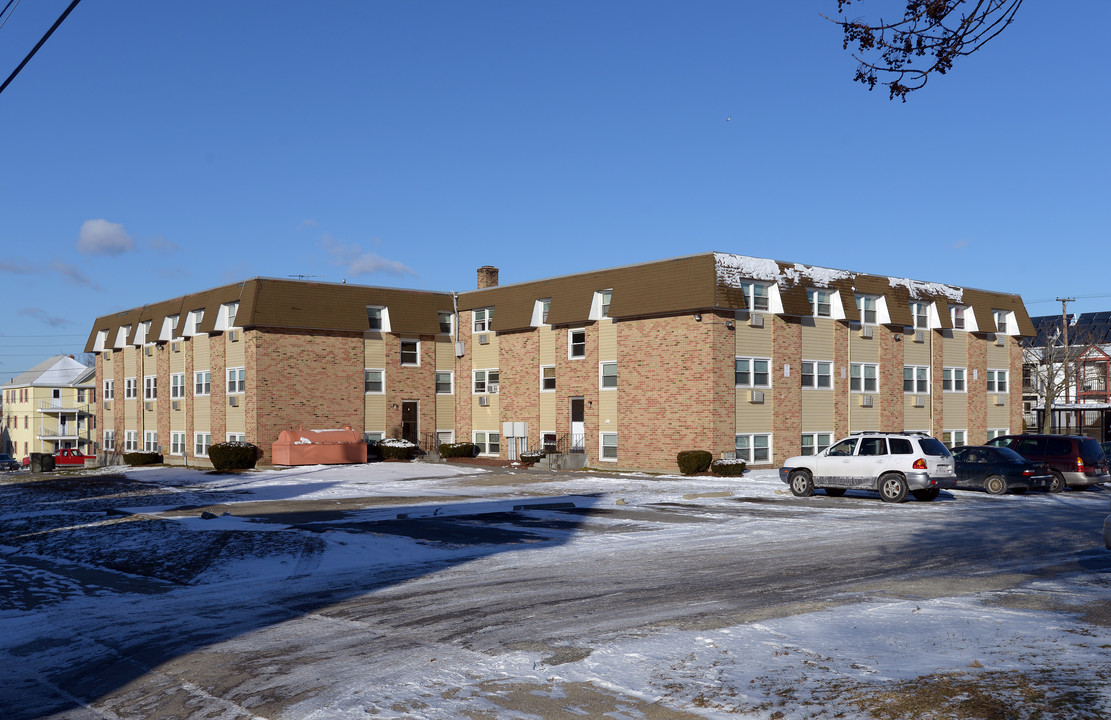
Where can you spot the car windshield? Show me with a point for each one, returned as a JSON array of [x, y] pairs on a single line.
[[934, 447]]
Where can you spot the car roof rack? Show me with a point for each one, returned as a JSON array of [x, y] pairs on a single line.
[[921, 433]]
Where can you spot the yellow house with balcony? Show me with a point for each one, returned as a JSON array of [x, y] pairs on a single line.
[[50, 407]]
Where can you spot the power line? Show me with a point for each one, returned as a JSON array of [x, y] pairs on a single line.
[[39, 44]]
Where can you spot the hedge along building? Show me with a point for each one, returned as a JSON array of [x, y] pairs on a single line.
[[248, 360], [628, 366]]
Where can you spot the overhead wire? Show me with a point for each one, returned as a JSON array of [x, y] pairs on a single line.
[[39, 44]]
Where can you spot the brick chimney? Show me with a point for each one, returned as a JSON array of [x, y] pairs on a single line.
[[487, 276]]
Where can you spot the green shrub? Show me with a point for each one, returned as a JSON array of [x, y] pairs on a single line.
[[730, 468], [142, 458], [233, 455], [458, 450], [395, 449], [694, 461]]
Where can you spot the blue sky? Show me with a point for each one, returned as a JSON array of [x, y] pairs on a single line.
[[153, 149]]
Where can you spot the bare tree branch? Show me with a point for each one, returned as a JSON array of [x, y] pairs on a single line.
[[931, 35]]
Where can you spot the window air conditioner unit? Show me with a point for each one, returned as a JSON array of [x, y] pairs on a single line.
[[175, 346], [149, 405], [148, 351], [755, 320], [176, 404], [483, 401], [919, 401], [233, 335], [492, 388], [1000, 340], [233, 401], [865, 401], [866, 332], [483, 340], [919, 336], [1000, 400], [108, 405], [757, 396]]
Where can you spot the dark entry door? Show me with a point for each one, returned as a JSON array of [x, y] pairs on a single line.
[[409, 425]]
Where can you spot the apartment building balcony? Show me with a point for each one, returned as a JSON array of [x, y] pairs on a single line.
[[57, 407]]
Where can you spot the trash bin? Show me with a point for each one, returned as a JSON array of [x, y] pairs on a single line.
[[38, 460], [47, 462]]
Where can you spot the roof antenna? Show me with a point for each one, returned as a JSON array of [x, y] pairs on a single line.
[[302, 277]]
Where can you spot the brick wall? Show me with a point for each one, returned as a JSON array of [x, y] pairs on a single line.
[[519, 359], [977, 388], [786, 391]]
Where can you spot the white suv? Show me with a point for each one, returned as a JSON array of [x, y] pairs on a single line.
[[891, 464]]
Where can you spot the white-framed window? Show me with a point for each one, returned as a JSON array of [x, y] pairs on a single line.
[[235, 437], [756, 296], [193, 322], [916, 379], [410, 353], [814, 443], [545, 308], [445, 384], [576, 343], [821, 302], [228, 311], [607, 447], [952, 379], [919, 314], [997, 381], [953, 438], [177, 443], [201, 443], [377, 319], [131, 441], [489, 443], [447, 322], [957, 315], [866, 304], [607, 375], [130, 388], [177, 385], [606, 296], [547, 378], [110, 440], [373, 437], [997, 432], [753, 448], [150, 441], [109, 389], [150, 387], [1000, 321], [237, 380], [202, 382], [864, 377], [752, 372], [374, 381], [483, 319], [486, 381], [816, 374]]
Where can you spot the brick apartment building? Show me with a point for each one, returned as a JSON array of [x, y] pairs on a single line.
[[628, 365]]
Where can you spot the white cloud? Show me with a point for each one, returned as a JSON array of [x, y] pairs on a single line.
[[44, 316], [73, 274], [164, 246], [100, 237], [358, 262]]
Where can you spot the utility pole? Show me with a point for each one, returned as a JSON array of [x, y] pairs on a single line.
[[1065, 337]]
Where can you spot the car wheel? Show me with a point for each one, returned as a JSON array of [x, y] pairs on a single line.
[[1058, 483], [835, 492], [996, 485], [926, 494], [893, 488], [802, 485]]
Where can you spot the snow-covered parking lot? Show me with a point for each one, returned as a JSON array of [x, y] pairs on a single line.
[[445, 591]]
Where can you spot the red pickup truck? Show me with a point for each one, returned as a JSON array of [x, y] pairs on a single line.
[[66, 456]]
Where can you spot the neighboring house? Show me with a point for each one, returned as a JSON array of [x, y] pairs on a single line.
[[1075, 379], [49, 407], [628, 366]]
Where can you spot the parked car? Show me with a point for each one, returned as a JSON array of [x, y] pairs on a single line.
[[66, 456], [998, 470], [1107, 532], [1075, 461], [7, 462], [1106, 449], [892, 464]]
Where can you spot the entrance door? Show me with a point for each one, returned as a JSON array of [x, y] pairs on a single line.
[[409, 425], [578, 425]]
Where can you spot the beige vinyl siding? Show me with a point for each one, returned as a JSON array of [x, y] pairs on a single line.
[[753, 417], [864, 350], [917, 353], [445, 356], [917, 418], [548, 399], [956, 410], [548, 348], [607, 352], [607, 340], [202, 405], [817, 406], [955, 350], [374, 405], [754, 342], [817, 338], [483, 357]]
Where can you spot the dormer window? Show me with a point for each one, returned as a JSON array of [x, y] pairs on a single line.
[[919, 313], [957, 314], [756, 296], [446, 324], [101, 339], [377, 318], [228, 311], [483, 319], [1001, 325], [821, 302], [866, 304], [606, 297], [121, 336], [193, 322], [141, 332], [540, 310]]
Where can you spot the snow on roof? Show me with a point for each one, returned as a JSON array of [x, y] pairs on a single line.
[[56, 371], [733, 270]]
